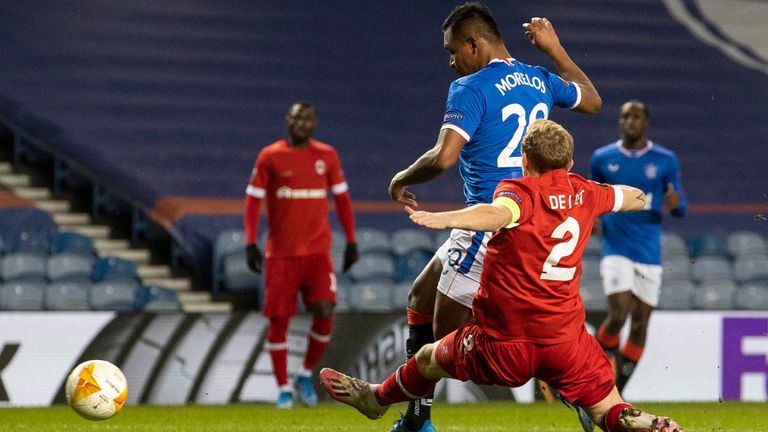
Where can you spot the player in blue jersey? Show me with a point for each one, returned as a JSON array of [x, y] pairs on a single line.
[[631, 265], [486, 115]]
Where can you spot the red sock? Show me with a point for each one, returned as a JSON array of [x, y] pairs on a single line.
[[278, 348], [632, 351], [611, 419], [606, 340], [412, 385], [319, 336]]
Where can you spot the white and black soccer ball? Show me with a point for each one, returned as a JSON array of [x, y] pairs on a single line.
[[96, 389]]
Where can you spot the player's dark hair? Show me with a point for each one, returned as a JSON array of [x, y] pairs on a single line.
[[547, 146], [302, 104], [472, 17], [642, 105]]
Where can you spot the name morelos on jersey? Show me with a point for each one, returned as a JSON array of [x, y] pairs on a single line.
[[491, 109]]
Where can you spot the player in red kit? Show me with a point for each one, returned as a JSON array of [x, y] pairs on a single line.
[[294, 175], [529, 317]]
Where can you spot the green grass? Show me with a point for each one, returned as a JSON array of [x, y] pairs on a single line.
[[494, 416]]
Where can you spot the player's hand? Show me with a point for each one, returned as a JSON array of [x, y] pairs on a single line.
[[350, 256], [671, 197], [253, 257], [428, 219], [398, 193], [542, 35]]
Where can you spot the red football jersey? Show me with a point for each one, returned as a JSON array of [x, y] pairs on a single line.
[[529, 288], [295, 182]]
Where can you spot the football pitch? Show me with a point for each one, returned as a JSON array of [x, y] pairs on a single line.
[[492, 416]]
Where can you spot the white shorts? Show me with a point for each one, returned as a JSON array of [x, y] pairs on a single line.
[[462, 257], [620, 274]]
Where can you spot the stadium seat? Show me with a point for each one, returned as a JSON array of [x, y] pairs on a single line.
[[714, 294], [409, 266], [590, 267], [440, 237], [373, 265], [114, 268], [22, 295], [752, 295], [236, 274], [67, 265], [709, 267], [68, 295], [751, 267], [73, 242], [741, 243], [676, 267], [37, 242], [594, 246], [119, 295], [343, 288], [23, 265], [408, 240], [155, 298], [228, 242], [400, 295], [373, 296], [372, 240], [677, 294], [338, 242], [592, 295], [706, 244], [673, 244]]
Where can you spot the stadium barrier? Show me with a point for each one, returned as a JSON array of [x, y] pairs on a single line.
[[176, 358]]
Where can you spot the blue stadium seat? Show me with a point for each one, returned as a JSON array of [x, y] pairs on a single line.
[[752, 295], [237, 276], [73, 242], [594, 246], [408, 240], [114, 268], [23, 265], [118, 295], [592, 295], [705, 244], [68, 295], [155, 298], [440, 237], [711, 267], [66, 265], [343, 289], [673, 244], [372, 240], [590, 267], [371, 266], [400, 295], [38, 242], [676, 267], [741, 243], [677, 294], [373, 296], [748, 268], [22, 295], [714, 294], [409, 266], [338, 242]]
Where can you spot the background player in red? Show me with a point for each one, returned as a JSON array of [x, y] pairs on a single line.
[[294, 176], [529, 317]]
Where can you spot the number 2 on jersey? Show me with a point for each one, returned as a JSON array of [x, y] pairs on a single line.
[[560, 251], [505, 159]]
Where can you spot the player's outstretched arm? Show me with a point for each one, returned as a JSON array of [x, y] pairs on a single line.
[[542, 35], [633, 199], [479, 217], [428, 166]]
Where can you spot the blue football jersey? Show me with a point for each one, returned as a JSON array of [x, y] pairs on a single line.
[[491, 109], [637, 235]]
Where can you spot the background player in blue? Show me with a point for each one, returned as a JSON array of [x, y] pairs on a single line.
[[486, 115], [631, 265]]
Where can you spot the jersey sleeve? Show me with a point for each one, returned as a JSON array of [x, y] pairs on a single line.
[[513, 190], [674, 176], [565, 94], [606, 198], [463, 110], [336, 178], [257, 185]]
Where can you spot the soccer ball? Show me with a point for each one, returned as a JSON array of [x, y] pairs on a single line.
[[96, 389]]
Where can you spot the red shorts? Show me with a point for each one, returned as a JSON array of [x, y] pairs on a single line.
[[284, 277], [578, 369]]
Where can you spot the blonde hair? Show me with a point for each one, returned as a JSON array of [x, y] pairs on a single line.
[[547, 146]]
